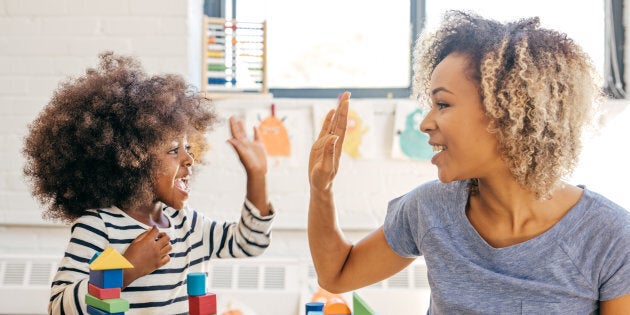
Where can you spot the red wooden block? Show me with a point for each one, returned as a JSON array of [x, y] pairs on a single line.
[[202, 304], [102, 294]]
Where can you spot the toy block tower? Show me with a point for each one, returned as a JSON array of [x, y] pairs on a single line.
[[106, 281], [359, 306], [200, 302], [336, 306]]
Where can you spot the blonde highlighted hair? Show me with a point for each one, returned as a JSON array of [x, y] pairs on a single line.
[[537, 86]]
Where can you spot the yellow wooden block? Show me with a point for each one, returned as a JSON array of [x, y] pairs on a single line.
[[110, 259]]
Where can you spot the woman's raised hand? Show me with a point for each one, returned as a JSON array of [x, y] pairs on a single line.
[[326, 151]]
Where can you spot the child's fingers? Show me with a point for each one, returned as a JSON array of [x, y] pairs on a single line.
[[166, 249], [256, 133], [147, 233], [236, 128], [164, 260]]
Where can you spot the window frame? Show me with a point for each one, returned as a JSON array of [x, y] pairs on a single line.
[[614, 71]]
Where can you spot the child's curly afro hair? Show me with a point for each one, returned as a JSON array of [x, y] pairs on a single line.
[[93, 145]]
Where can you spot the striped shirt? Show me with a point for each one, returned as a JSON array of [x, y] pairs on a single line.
[[195, 239]]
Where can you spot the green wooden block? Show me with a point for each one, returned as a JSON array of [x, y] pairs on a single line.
[[107, 305], [359, 306]]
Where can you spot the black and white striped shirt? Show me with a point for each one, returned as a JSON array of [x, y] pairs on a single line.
[[195, 240]]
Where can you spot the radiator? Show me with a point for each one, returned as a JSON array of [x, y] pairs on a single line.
[[260, 286]]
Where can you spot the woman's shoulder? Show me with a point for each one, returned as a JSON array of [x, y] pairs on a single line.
[[433, 198], [597, 222], [437, 191], [600, 210]]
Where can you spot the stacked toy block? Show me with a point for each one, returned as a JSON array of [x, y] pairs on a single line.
[[337, 306], [359, 306], [106, 281], [200, 302]]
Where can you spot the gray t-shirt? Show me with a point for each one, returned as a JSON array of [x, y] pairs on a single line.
[[582, 259]]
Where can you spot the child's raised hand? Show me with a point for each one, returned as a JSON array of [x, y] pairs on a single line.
[[326, 151], [251, 152], [148, 252]]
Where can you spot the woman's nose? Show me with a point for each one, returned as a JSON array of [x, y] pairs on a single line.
[[427, 124]]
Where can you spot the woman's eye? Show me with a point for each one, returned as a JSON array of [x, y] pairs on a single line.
[[173, 151], [441, 105]]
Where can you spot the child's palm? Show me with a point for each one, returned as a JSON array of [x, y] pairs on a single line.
[[251, 152]]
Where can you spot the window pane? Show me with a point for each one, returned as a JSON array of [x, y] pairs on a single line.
[[583, 22], [332, 44]]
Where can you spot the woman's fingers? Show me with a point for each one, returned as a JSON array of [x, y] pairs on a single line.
[[327, 123], [329, 159]]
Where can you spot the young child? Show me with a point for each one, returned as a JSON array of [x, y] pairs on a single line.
[[113, 152]]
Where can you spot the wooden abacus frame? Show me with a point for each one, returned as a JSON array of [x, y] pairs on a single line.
[[234, 57]]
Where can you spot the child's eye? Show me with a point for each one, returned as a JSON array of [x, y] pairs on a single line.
[[174, 151]]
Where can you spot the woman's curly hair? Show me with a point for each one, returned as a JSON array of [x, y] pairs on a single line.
[[537, 86], [94, 144]]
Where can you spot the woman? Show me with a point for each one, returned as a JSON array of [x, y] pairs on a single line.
[[500, 231]]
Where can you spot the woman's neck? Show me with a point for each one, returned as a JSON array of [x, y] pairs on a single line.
[[505, 213]]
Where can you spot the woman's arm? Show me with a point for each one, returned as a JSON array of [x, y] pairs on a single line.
[[340, 265], [618, 306]]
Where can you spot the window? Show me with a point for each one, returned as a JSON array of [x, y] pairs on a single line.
[[553, 15], [321, 48]]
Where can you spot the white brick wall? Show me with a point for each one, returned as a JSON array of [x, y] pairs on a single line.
[[45, 42]]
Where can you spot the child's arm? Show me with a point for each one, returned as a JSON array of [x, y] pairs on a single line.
[[254, 159], [148, 252], [70, 284], [250, 235], [340, 265]]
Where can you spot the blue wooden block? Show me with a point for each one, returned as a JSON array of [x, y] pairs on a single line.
[[105, 279], [196, 283], [95, 311]]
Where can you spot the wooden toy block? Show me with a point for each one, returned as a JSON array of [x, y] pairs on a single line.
[[110, 259], [314, 306], [103, 294], [359, 306], [203, 304], [196, 283], [336, 306], [106, 279], [94, 257], [109, 305], [91, 310]]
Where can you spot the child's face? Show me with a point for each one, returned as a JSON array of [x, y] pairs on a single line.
[[174, 170]]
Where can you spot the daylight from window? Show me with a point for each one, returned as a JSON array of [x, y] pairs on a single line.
[[331, 43], [584, 23]]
